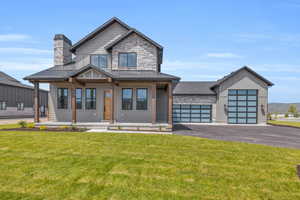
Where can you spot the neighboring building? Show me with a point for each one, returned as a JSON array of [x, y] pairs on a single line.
[[116, 76], [16, 99]]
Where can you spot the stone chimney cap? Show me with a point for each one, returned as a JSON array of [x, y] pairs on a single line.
[[62, 37]]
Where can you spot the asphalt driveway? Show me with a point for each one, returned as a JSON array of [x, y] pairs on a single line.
[[268, 135]]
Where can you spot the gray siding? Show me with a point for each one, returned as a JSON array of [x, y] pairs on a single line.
[[243, 80], [97, 44], [83, 115], [14, 95]]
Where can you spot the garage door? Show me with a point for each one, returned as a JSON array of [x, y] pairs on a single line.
[[191, 113], [242, 106]]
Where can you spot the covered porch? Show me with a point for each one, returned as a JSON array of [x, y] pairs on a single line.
[[109, 112]]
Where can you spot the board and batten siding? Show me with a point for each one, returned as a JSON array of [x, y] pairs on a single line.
[[13, 95]]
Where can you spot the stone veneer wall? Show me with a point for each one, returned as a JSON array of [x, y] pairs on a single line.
[[146, 53]]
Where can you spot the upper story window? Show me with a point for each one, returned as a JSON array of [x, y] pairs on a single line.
[[2, 105], [100, 60], [90, 98], [62, 98], [20, 106], [141, 98], [78, 98], [127, 99], [127, 60]]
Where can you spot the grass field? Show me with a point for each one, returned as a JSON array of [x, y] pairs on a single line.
[[285, 123], [37, 165]]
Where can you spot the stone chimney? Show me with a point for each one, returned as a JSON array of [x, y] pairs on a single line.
[[62, 53]]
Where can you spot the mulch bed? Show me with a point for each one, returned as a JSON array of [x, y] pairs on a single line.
[[47, 130]]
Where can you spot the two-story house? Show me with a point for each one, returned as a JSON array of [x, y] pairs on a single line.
[[113, 76]]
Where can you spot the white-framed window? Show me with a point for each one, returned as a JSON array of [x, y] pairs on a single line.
[[2, 105], [20, 106]]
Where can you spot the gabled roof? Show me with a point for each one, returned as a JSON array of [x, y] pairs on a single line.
[[220, 81], [98, 30], [88, 67], [131, 31], [5, 79], [194, 88]]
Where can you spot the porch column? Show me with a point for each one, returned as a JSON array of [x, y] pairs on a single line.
[[36, 102], [153, 106], [170, 101], [112, 104], [73, 104]]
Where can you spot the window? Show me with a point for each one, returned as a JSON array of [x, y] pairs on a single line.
[[90, 98], [127, 99], [141, 98], [242, 106], [2, 105], [127, 59], [20, 106], [62, 98], [99, 60], [78, 98]]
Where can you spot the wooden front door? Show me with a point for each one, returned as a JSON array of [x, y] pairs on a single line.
[[107, 105]]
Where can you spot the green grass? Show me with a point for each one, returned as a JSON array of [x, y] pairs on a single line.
[[39, 165], [286, 123], [10, 126]]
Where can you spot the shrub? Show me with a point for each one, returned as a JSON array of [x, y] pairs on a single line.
[[297, 115], [30, 125], [42, 128], [74, 128], [22, 123]]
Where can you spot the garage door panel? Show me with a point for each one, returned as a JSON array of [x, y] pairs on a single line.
[[192, 113]]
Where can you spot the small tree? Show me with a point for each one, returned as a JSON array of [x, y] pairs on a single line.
[[292, 109], [297, 115]]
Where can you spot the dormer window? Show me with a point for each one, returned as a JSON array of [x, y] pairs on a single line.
[[99, 60], [127, 59]]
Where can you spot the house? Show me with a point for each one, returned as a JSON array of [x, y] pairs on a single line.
[[113, 76], [16, 99]]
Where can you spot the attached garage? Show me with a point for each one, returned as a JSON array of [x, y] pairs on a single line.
[[194, 102]]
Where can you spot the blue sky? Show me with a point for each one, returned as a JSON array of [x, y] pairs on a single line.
[[203, 40]]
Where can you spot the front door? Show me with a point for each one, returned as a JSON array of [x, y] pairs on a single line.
[[107, 104]]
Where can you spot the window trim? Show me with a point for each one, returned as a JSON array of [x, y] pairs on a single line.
[[136, 98], [123, 98], [86, 107], [67, 103], [81, 98], [103, 54], [119, 54]]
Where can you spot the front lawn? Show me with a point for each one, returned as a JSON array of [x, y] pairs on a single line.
[[37, 165], [285, 123]]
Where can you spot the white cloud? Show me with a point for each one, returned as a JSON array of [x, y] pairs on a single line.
[[24, 50], [13, 37], [222, 55], [30, 66], [273, 68]]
